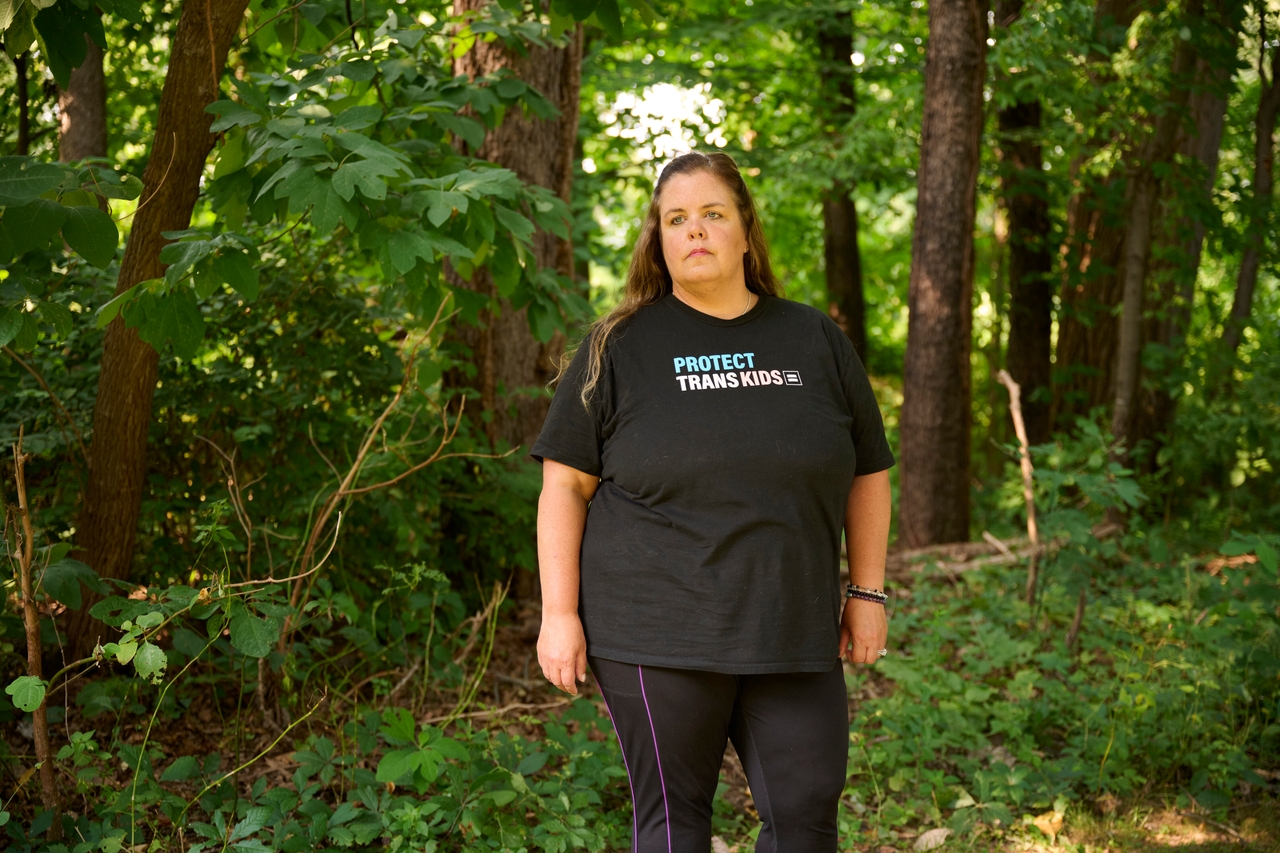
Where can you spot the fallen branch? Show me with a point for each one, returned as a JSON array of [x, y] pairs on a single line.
[[495, 712]]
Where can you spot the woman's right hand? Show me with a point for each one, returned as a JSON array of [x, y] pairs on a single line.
[[562, 651]]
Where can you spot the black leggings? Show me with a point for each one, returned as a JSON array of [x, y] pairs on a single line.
[[791, 731]]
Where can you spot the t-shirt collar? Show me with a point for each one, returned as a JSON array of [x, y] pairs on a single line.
[[693, 313]]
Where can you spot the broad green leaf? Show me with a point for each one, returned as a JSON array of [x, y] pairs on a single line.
[[522, 229], [467, 129], [501, 798], [406, 246], [357, 118], [181, 769], [172, 316], [150, 662], [125, 650], [110, 309], [92, 234], [237, 270], [231, 156], [27, 692], [610, 18], [328, 208], [364, 175], [58, 316], [8, 10], [129, 187], [34, 224], [63, 578], [63, 27], [231, 114], [395, 764], [253, 635], [442, 205], [182, 255], [22, 179], [10, 325]]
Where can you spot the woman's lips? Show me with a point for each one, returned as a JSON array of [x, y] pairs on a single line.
[[697, 252]]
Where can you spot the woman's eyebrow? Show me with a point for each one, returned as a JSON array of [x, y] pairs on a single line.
[[672, 210]]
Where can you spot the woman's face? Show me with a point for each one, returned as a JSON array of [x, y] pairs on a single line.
[[703, 237]]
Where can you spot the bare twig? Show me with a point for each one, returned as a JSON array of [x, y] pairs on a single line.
[[495, 712], [1076, 621], [31, 617], [1028, 480], [84, 454]]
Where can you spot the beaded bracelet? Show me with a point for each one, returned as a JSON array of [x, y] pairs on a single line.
[[855, 591]]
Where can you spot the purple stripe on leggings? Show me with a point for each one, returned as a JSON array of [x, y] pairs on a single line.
[[657, 755], [635, 825]]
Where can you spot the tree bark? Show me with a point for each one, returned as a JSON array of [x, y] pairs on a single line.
[[843, 259], [23, 145], [1175, 256], [936, 378], [511, 366], [1090, 289], [844, 266], [1145, 186], [1263, 184], [108, 523], [1030, 259], [82, 109]]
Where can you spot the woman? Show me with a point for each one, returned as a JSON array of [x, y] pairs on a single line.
[[704, 448]]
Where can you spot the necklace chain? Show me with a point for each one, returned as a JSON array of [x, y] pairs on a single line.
[[748, 308]]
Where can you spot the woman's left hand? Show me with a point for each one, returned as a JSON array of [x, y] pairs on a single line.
[[864, 629]]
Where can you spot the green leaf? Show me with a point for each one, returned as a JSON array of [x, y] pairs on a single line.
[[110, 309], [467, 129], [182, 255], [442, 205], [181, 769], [10, 325], [237, 270], [231, 114], [34, 224], [357, 118], [63, 578], [172, 316], [253, 635], [231, 156], [124, 650], [609, 17], [22, 180], [63, 27], [522, 229], [92, 234], [27, 692], [58, 316], [150, 662], [501, 798], [1267, 556], [328, 208], [406, 246], [396, 764], [364, 175]]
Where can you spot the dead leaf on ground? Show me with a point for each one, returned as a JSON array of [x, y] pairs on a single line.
[[1050, 823], [932, 838]]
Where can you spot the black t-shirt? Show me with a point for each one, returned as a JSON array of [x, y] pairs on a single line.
[[725, 451]]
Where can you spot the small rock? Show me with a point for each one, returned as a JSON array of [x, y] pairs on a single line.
[[931, 838], [718, 845]]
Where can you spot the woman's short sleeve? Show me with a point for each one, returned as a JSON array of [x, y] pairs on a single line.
[[571, 433], [869, 440]]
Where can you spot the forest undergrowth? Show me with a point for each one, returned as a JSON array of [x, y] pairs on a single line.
[[1136, 696]]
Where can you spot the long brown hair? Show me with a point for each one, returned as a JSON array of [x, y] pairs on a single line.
[[648, 279]]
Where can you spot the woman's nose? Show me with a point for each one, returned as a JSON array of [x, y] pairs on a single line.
[[696, 231]]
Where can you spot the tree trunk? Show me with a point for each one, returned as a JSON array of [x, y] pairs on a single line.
[[1175, 257], [1263, 182], [844, 265], [82, 109], [936, 380], [23, 146], [108, 523], [511, 367], [841, 254], [1090, 290], [1145, 186], [1030, 260]]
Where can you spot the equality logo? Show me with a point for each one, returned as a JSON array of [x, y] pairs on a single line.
[[728, 370]]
